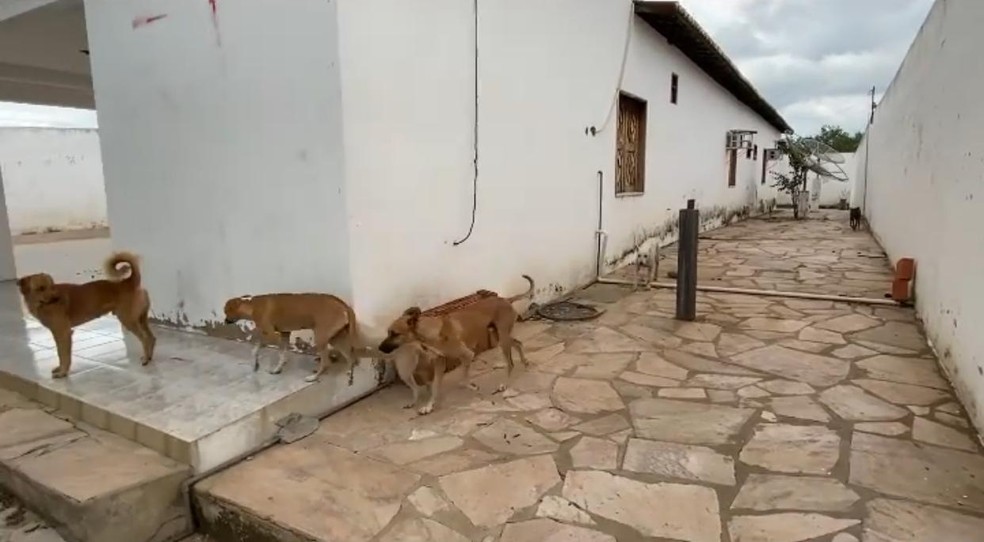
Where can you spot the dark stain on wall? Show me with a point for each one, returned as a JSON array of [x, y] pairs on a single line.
[[667, 232]]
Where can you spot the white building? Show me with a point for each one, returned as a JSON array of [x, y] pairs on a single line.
[[922, 186], [52, 179], [398, 152]]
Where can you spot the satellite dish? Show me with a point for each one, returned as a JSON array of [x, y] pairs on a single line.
[[819, 157]]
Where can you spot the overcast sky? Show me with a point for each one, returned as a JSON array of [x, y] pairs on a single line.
[[814, 60]]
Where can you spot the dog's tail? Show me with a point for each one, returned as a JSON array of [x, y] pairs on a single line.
[[117, 274], [527, 293], [356, 344]]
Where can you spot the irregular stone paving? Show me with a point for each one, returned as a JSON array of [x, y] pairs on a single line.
[[819, 255], [621, 430]]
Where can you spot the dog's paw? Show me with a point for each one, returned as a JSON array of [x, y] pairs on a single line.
[[472, 386], [311, 378], [425, 410], [144, 360], [276, 370], [57, 372]]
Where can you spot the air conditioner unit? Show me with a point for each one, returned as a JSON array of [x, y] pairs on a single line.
[[740, 139]]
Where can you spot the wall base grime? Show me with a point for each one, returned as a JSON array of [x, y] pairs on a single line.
[[667, 233]]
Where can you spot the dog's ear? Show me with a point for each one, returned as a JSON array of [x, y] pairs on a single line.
[[413, 315], [23, 284]]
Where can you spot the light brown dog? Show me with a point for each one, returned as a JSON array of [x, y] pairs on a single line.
[[420, 366], [61, 307], [464, 333], [277, 315]]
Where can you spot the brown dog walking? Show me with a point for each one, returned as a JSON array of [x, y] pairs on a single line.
[[277, 315]]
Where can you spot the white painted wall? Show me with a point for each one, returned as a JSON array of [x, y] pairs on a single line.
[[548, 70], [222, 147], [8, 271], [224, 159], [53, 179], [925, 186], [686, 156]]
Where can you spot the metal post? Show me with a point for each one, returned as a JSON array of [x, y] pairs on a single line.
[[686, 291]]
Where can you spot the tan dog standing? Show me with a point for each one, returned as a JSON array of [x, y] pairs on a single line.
[[463, 333], [419, 366], [277, 315], [61, 307]]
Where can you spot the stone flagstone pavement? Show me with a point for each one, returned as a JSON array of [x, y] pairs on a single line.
[[820, 255], [767, 420]]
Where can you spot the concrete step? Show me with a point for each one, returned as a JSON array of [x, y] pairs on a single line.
[[359, 478], [353, 478], [310, 490], [91, 485]]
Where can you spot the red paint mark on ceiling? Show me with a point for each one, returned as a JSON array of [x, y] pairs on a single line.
[[144, 21]]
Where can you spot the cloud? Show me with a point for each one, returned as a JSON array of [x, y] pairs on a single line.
[[815, 61], [789, 79], [850, 111], [17, 114]]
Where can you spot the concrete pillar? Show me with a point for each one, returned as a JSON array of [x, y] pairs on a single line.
[[686, 291], [7, 269], [221, 133]]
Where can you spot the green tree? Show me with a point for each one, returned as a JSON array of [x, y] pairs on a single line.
[[795, 182], [838, 138]]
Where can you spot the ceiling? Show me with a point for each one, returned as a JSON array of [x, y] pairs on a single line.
[[40, 55]]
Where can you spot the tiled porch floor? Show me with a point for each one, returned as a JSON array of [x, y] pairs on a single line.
[[821, 255], [195, 387], [171, 392], [768, 420]]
